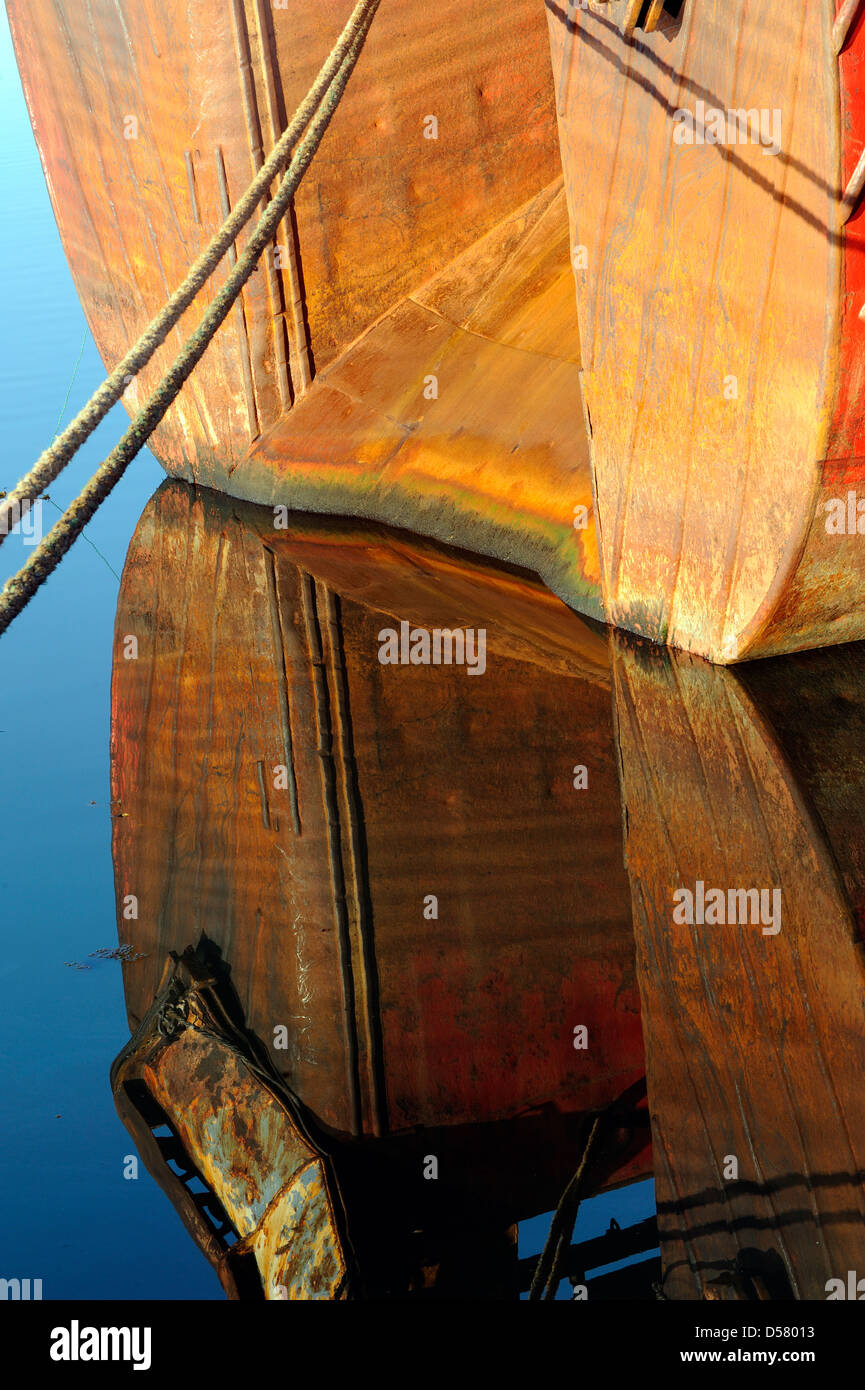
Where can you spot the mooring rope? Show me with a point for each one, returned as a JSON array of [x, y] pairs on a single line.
[[333, 74], [20, 588], [548, 1270]]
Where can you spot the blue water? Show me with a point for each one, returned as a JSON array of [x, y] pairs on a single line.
[[626, 1205], [68, 1215]]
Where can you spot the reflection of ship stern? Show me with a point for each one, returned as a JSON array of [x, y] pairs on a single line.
[[302, 817], [222, 1135]]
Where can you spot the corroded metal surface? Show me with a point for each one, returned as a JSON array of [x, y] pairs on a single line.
[[146, 100], [409, 351], [720, 297], [296, 1244], [239, 1128]]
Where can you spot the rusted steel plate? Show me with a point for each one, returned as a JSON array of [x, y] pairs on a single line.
[[429, 242], [719, 298], [297, 1244], [238, 1131]]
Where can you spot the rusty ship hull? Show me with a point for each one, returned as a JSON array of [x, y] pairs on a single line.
[[710, 152], [408, 350], [673, 455]]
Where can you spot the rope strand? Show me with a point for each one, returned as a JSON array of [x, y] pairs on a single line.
[[548, 1270]]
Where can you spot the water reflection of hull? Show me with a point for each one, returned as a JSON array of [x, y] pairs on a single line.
[[292, 807], [416, 1032], [755, 1038]]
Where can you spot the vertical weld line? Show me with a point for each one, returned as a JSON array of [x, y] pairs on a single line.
[[567, 55], [295, 326], [262, 788], [678, 83], [256, 152], [282, 672], [193, 197], [324, 730], [359, 858], [247, 84], [732, 557], [299, 330], [238, 310], [682, 516]]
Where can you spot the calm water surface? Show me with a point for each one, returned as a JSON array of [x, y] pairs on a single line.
[[68, 1216]]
